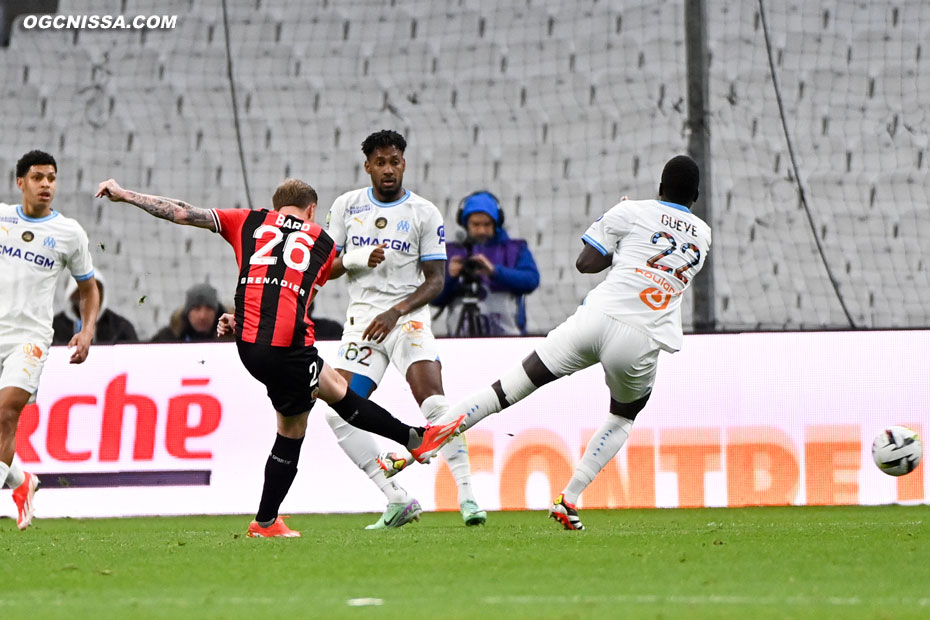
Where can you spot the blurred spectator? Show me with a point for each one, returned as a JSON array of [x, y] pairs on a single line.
[[196, 321], [325, 329], [111, 327], [487, 275]]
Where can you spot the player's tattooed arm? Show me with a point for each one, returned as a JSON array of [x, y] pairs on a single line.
[[170, 209]]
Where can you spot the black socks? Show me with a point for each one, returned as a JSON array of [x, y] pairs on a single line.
[[280, 470], [371, 417]]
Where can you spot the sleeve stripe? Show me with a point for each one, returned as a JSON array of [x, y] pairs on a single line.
[[86, 276], [216, 220], [594, 244], [433, 257], [338, 249]]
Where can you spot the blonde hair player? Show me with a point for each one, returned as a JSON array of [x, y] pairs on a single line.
[[284, 258]]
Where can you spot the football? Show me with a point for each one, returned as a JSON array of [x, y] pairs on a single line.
[[897, 450]]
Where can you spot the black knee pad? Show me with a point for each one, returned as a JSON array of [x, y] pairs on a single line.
[[629, 410]]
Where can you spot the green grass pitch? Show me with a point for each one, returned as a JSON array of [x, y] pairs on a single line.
[[790, 562]]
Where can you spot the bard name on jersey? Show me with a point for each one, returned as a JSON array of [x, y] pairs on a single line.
[[283, 261]]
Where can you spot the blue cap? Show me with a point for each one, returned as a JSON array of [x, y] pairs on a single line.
[[482, 202]]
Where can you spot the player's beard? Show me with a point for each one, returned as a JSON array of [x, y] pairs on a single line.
[[391, 194]]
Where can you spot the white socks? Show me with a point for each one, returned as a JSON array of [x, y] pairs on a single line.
[[517, 385], [456, 451], [362, 449], [476, 407], [604, 445], [12, 475], [16, 475]]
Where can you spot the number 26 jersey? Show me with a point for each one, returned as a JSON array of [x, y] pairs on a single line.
[[283, 261], [658, 248]]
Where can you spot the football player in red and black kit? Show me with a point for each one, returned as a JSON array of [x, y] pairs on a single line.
[[284, 258]]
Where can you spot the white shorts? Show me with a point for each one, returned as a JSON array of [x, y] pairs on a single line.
[[410, 341], [629, 356], [21, 366]]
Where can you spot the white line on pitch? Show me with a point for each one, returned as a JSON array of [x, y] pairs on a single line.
[[709, 599]]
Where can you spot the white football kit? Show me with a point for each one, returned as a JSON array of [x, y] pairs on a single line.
[[413, 230], [658, 247], [33, 252]]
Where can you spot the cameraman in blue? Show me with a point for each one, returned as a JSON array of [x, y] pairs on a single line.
[[488, 274]]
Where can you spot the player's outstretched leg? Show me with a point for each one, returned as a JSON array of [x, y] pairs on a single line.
[[514, 386], [393, 462], [435, 437], [423, 442]]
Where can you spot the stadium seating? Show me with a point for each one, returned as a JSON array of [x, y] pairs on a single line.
[[560, 108]]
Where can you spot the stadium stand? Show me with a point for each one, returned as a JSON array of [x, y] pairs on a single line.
[[559, 108]]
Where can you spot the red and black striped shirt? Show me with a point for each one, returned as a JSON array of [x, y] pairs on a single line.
[[283, 260]]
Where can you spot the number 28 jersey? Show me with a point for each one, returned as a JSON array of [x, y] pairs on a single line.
[[283, 261], [658, 248]]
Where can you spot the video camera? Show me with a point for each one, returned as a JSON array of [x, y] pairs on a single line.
[[470, 277], [471, 323]]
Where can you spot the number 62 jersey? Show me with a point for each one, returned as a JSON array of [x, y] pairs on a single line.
[[658, 248]]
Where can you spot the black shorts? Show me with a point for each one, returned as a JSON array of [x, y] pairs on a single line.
[[290, 374]]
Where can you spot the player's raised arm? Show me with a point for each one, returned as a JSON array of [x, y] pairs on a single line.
[[170, 209]]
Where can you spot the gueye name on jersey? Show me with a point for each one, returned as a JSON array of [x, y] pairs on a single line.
[[680, 225], [28, 256], [293, 223], [284, 283], [392, 244]]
